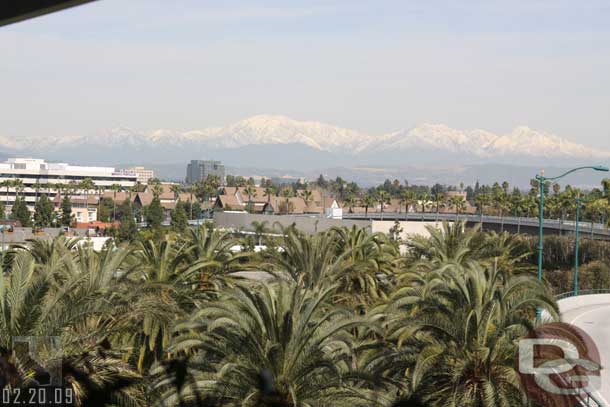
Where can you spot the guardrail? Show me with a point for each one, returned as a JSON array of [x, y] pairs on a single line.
[[565, 225], [582, 292], [586, 399]]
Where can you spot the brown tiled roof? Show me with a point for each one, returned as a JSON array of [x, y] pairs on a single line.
[[257, 196], [92, 199], [186, 197], [228, 201], [120, 196], [145, 198]]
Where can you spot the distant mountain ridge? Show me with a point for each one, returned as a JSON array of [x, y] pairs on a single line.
[[425, 142]]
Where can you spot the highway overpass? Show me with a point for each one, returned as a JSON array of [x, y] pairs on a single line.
[[507, 223]]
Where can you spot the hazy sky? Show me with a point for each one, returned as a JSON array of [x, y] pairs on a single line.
[[373, 65]]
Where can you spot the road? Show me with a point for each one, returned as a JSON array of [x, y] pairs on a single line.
[[520, 224], [591, 313]]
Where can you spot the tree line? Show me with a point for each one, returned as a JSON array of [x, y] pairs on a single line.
[[338, 318]]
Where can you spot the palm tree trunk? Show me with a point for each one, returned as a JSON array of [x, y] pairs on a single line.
[[501, 221]]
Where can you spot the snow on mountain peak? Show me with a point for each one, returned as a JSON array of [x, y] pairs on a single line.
[[276, 129]]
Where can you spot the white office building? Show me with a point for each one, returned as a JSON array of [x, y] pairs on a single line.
[[40, 177], [143, 174]]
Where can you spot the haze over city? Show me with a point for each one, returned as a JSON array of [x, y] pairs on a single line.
[[375, 67]]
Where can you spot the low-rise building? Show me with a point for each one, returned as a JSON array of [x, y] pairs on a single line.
[[36, 176], [142, 174], [260, 200]]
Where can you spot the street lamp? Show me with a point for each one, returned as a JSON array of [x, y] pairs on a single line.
[[578, 206], [541, 181]]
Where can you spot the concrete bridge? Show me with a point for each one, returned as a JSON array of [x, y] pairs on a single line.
[[507, 223]]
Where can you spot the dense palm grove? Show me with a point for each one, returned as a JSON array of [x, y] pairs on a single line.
[[340, 318], [499, 199]]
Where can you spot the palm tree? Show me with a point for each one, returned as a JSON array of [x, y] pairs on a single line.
[[251, 192], [260, 228], [452, 244], [305, 259], [423, 200], [383, 198], [287, 193], [407, 197], [366, 262], [368, 201], [307, 196], [86, 185], [459, 203], [268, 193], [283, 336], [157, 189], [456, 333], [210, 263], [36, 186], [18, 185], [192, 190], [69, 304], [115, 188], [438, 198], [160, 295], [175, 189], [351, 201]]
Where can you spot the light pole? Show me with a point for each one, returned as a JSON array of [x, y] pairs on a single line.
[[578, 205], [541, 181]]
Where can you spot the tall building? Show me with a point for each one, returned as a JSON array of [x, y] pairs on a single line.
[[197, 170], [40, 177], [142, 174]]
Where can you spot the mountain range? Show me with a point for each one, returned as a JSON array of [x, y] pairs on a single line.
[[425, 142], [280, 143]]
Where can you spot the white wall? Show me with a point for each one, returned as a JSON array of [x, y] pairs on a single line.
[[410, 228]]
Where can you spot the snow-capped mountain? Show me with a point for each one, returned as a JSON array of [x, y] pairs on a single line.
[[302, 140]]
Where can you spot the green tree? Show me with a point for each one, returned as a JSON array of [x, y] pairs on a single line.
[[2, 210], [368, 201], [66, 211], [115, 189], [21, 212], [259, 228], [192, 190], [105, 209], [43, 212], [282, 333], [179, 218], [456, 334], [407, 198], [250, 191], [154, 213], [86, 185], [128, 230], [175, 189], [458, 203], [383, 198]]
